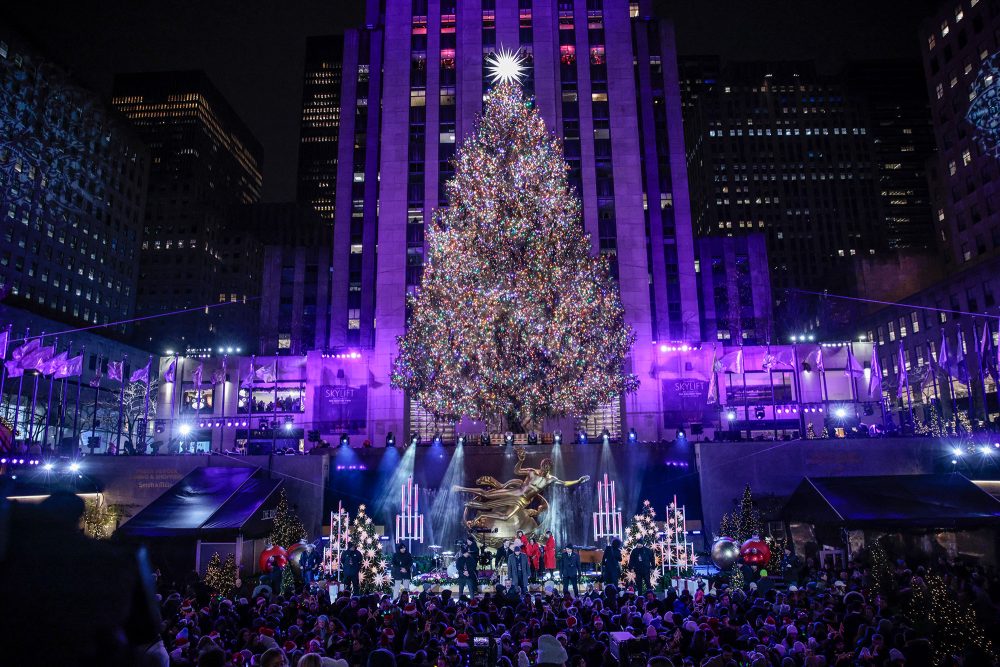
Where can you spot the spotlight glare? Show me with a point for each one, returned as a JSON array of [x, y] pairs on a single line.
[[731, 415], [74, 466], [957, 451], [48, 466], [841, 413], [987, 451], [184, 429]]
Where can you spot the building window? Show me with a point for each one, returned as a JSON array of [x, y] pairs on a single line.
[[966, 157], [284, 341]]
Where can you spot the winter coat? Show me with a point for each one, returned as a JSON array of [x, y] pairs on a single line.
[[611, 564], [350, 562], [518, 570], [467, 567], [550, 553], [641, 560], [402, 561], [569, 565], [534, 553]]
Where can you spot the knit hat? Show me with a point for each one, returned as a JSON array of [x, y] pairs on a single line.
[[550, 651]]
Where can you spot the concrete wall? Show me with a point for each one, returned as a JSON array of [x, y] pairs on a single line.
[[776, 468]]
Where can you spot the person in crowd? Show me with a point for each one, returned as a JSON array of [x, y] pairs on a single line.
[[534, 554], [569, 570], [790, 566], [641, 561], [518, 569], [549, 551], [310, 562], [611, 563], [350, 567], [402, 569], [468, 576]]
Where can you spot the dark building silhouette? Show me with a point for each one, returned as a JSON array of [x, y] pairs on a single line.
[[320, 124], [73, 182], [204, 161]]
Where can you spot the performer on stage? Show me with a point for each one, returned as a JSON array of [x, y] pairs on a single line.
[[470, 542], [500, 556], [549, 551], [467, 574], [310, 563], [534, 554], [569, 569], [522, 538], [518, 569], [641, 562], [402, 569], [611, 563], [350, 567]]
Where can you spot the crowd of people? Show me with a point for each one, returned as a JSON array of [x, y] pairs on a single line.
[[833, 617]]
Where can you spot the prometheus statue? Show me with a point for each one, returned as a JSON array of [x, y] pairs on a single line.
[[514, 505]]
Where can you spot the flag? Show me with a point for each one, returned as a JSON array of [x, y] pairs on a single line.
[[961, 369], [38, 358], [875, 374], [785, 357], [4, 339], [944, 359], [18, 352], [248, 380], [904, 379], [115, 370], [372, 382], [14, 370], [71, 368], [170, 374], [733, 362], [769, 362], [96, 380], [6, 436], [268, 374], [219, 375], [814, 360], [854, 367], [985, 363], [196, 376], [141, 375], [54, 363], [713, 381]]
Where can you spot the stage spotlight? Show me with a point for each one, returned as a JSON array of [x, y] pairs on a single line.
[[344, 440], [289, 426], [74, 467], [414, 439], [263, 424], [460, 441], [508, 438], [680, 434], [390, 440], [436, 440], [605, 437], [633, 437], [48, 467], [731, 415], [957, 451], [758, 412], [583, 437], [184, 430], [987, 451], [557, 437], [840, 413], [532, 438]]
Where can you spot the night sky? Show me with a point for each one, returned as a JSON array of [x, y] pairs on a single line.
[[253, 49]]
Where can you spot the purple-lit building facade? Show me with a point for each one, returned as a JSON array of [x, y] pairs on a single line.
[[604, 78]]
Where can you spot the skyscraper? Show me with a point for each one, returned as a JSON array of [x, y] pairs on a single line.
[[782, 150], [603, 77], [204, 161], [72, 192], [320, 124]]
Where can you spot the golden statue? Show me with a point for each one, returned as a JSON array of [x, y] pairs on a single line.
[[514, 505]]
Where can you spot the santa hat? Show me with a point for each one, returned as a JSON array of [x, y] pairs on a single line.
[[389, 632], [450, 632], [237, 659], [410, 609], [264, 630], [462, 640], [315, 646], [571, 621], [289, 646], [181, 638]]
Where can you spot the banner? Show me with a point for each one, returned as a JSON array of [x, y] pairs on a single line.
[[341, 408]]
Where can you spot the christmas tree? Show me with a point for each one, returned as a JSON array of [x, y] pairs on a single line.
[[641, 530], [951, 625], [221, 576], [288, 527], [748, 522], [288, 581], [514, 318], [373, 575]]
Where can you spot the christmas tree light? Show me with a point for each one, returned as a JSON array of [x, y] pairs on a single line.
[[514, 318], [288, 527], [373, 575]]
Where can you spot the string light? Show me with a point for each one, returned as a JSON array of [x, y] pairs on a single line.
[[514, 317]]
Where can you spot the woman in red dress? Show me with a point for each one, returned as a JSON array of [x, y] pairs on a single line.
[[534, 554], [550, 551]]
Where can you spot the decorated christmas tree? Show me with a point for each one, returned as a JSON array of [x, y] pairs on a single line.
[[748, 522], [640, 530], [952, 625], [373, 575], [222, 577], [515, 319], [288, 527], [288, 581]]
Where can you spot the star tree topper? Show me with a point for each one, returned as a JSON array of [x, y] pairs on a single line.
[[505, 66]]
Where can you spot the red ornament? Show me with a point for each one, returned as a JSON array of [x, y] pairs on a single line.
[[755, 551], [280, 558]]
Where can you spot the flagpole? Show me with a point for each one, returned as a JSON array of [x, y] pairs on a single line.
[[824, 393], [20, 387], [798, 390], [34, 402], [746, 405], [850, 376], [931, 362], [76, 414], [909, 391], [3, 372], [770, 379], [951, 389], [274, 409], [121, 407], [251, 379], [222, 429], [968, 372], [48, 401], [62, 400], [145, 410], [97, 391], [988, 337]]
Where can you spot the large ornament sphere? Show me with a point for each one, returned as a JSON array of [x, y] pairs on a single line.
[[280, 558], [725, 553], [755, 551]]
